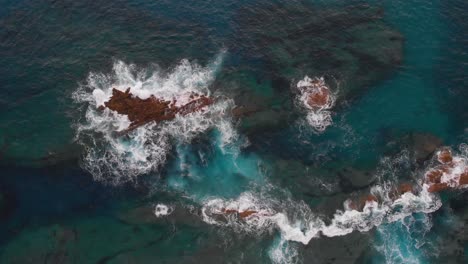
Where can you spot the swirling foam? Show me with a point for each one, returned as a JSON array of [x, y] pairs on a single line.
[[296, 222], [318, 118], [120, 159], [303, 230], [161, 210]]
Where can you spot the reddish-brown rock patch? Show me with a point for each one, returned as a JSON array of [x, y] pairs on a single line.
[[142, 111], [242, 214], [445, 156], [319, 97]]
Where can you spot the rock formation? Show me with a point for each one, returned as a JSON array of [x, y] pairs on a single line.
[[143, 111], [354, 43], [450, 173], [317, 94], [241, 214]]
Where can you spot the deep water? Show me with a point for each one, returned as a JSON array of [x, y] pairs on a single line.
[[398, 69]]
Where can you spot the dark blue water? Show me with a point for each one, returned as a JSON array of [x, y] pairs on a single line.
[[398, 70]]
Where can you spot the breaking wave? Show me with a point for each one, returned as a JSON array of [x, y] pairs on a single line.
[[295, 221], [316, 98], [116, 159], [309, 226], [161, 210]]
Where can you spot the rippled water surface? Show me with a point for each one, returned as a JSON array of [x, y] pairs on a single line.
[[259, 176]]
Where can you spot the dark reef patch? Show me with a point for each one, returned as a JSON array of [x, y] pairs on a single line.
[[351, 46]]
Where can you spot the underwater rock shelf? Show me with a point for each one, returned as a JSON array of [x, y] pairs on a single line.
[[143, 111], [363, 51]]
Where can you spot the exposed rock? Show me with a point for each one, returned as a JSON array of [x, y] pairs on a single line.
[[241, 214], [316, 93], [319, 97], [444, 156], [450, 173], [143, 111]]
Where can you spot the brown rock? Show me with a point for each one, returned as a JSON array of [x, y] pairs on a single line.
[[434, 175], [464, 178], [242, 214], [247, 213], [143, 111], [371, 198], [438, 187], [319, 97], [445, 156]]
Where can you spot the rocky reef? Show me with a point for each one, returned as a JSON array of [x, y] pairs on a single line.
[[351, 46], [143, 111], [450, 172]]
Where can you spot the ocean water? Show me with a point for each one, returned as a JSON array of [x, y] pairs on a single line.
[[71, 191]]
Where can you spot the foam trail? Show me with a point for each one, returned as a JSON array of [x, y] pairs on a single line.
[[120, 159], [295, 221], [303, 230]]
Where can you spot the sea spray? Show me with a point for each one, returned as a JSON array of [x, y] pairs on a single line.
[[116, 159], [316, 99], [294, 220], [161, 210]]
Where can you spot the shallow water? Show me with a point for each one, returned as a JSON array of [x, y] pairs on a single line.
[[72, 192]]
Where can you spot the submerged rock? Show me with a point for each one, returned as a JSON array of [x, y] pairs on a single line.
[[352, 45]]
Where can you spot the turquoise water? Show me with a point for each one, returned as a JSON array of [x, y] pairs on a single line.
[[398, 69]]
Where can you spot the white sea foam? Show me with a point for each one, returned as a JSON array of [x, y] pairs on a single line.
[[283, 252], [399, 243], [296, 222], [161, 210], [306, 227], [459, 166], [319, 118], [116, 159]]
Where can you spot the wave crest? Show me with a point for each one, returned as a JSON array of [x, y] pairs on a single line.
[[317, 100]]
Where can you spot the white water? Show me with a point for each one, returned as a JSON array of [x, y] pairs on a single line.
[[318, 118], [116, 159], [161, 210], [296, 222], [459, 166], [310, 226]]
